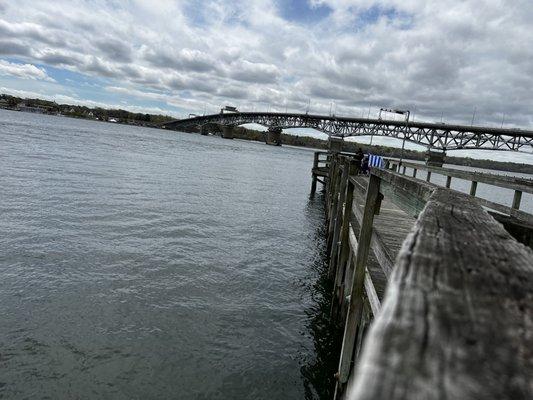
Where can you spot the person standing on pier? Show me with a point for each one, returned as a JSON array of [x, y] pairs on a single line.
[[364, 165], [359, 155]]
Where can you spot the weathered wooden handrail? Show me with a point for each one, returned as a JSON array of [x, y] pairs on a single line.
[[519, 185], [448, 284], [456, 320], [508, 182]]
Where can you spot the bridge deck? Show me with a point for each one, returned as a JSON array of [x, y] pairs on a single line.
[[436, 136]]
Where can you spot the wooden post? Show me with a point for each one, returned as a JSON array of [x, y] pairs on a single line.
[[333, 192], [334, 202], [333, 165], [313, 185], [339, 212], [428, 176], [331, 176], [315, 166], [517, 198], [473, 188], [414, 172], [448, 181], [355, 308], [344, 240], [404, 169]]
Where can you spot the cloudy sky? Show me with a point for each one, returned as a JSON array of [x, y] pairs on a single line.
[[436, 58]]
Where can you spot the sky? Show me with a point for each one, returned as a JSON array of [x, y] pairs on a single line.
[[446, 59]]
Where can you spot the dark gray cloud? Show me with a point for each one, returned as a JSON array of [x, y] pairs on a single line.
[[31, 31], [114, 49], [58, 58], [183, 60], [13, 48], [233, 92], [97, 66]]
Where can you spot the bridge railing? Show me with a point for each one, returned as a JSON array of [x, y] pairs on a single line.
[[454, 320]]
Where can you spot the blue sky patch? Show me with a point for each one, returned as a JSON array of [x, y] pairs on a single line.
[[372, 15], [302, 11]]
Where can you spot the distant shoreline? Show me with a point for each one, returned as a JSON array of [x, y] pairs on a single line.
[[124, 117], [390, 152]]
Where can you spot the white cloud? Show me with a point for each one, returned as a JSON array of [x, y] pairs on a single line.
[[433, 57], [24, 71]]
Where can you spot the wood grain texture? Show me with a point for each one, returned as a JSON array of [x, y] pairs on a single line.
[[457, 319]]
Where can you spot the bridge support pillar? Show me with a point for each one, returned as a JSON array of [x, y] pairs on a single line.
[[335, 144], [203, 130], [274, 136], [227, 131], [435, 158]]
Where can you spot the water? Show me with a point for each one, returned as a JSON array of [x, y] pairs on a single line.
[[146, 264]]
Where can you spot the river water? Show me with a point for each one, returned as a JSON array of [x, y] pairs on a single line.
[[140, 263]]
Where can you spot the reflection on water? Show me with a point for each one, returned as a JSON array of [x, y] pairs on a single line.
[[319, 372]]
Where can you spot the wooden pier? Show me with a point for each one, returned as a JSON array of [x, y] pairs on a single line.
[[434, 292]]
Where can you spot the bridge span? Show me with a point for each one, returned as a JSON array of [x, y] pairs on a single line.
[[439, 136]]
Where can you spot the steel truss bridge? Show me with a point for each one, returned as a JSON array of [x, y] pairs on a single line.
[[435, 136]]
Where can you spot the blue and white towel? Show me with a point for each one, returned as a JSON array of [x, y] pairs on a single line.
[[375, 161]]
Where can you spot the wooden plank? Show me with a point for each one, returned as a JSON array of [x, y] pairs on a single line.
[[457, 320], [355, 305], [415, 187], [344, 252], [339, 220], [517, 198], [509, 182], [383, 255], [373, 265], [473, 188], [359, 186], [372, 295], [410, 195], [334, 200], [520, 215]]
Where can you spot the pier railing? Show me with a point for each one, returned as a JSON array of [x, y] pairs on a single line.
[[455, 319], [517, 185]]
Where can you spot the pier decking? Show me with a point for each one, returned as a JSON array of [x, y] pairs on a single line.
[[435, 296]]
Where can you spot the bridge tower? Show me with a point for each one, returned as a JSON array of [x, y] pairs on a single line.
[[435, 158], [227, 131], [274, 136], [335, 144]]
